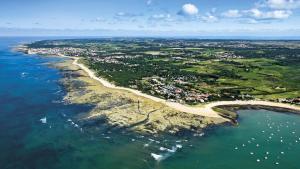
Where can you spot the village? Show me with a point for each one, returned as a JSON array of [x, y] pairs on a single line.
[[180, 71]]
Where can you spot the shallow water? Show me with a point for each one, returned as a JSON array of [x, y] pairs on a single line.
[[30, 91]]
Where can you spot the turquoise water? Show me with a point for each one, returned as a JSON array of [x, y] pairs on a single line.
[[30, 91]]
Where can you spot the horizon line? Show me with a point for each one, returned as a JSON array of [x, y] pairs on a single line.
[[200, 37]]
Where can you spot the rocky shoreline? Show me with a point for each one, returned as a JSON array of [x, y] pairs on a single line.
[[124, 110]]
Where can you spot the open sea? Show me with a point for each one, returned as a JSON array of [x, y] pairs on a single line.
[[39, 131]]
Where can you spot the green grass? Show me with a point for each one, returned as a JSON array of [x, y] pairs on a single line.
[[265, 72]]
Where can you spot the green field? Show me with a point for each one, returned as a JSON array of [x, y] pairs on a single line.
[[219, 69]]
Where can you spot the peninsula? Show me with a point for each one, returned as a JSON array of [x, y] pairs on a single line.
[[184, 76]]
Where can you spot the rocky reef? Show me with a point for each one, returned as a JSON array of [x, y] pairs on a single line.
[[123, 110]]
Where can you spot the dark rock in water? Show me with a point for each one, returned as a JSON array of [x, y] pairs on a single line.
[[97, 121]]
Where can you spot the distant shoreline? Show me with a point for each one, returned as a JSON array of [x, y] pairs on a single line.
[[205, 110]]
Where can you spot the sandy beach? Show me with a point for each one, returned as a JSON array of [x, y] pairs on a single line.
[[205, 110]]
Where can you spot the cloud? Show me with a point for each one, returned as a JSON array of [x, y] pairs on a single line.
[[162, 21], [264, 11], [209, 17], [256, 15], [98, 19], [282, 4], [261, 15], [125, 14], [160, 17], [232, 13], [188, 10]]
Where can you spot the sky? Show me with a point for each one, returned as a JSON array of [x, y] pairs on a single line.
[[150, 17]]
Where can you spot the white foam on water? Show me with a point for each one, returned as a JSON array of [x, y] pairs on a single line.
[[179, 146], [173, 150], [198, 134], [57, 92], [162, 148], [151, 140], [43, 120], [24, 74], [158, 157]]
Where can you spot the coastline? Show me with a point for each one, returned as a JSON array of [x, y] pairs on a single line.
[[206, 111], [118, 109]]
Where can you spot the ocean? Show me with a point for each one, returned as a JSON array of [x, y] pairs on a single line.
[[40, 131]]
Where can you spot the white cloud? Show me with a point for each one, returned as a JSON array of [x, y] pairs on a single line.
[[277, 14], [125, 14], [232, 13], [164, 20], [188, 10], [282, 4], [209, 18], [160, 16]]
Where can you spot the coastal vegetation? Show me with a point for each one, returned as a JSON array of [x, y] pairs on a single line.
[[121, 110], [191, 71]]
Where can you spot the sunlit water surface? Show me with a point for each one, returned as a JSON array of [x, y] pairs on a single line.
[[30, 91]]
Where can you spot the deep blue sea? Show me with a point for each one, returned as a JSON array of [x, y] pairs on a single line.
[[30, 91]]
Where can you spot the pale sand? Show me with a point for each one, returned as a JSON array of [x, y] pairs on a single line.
[[205, 110]]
